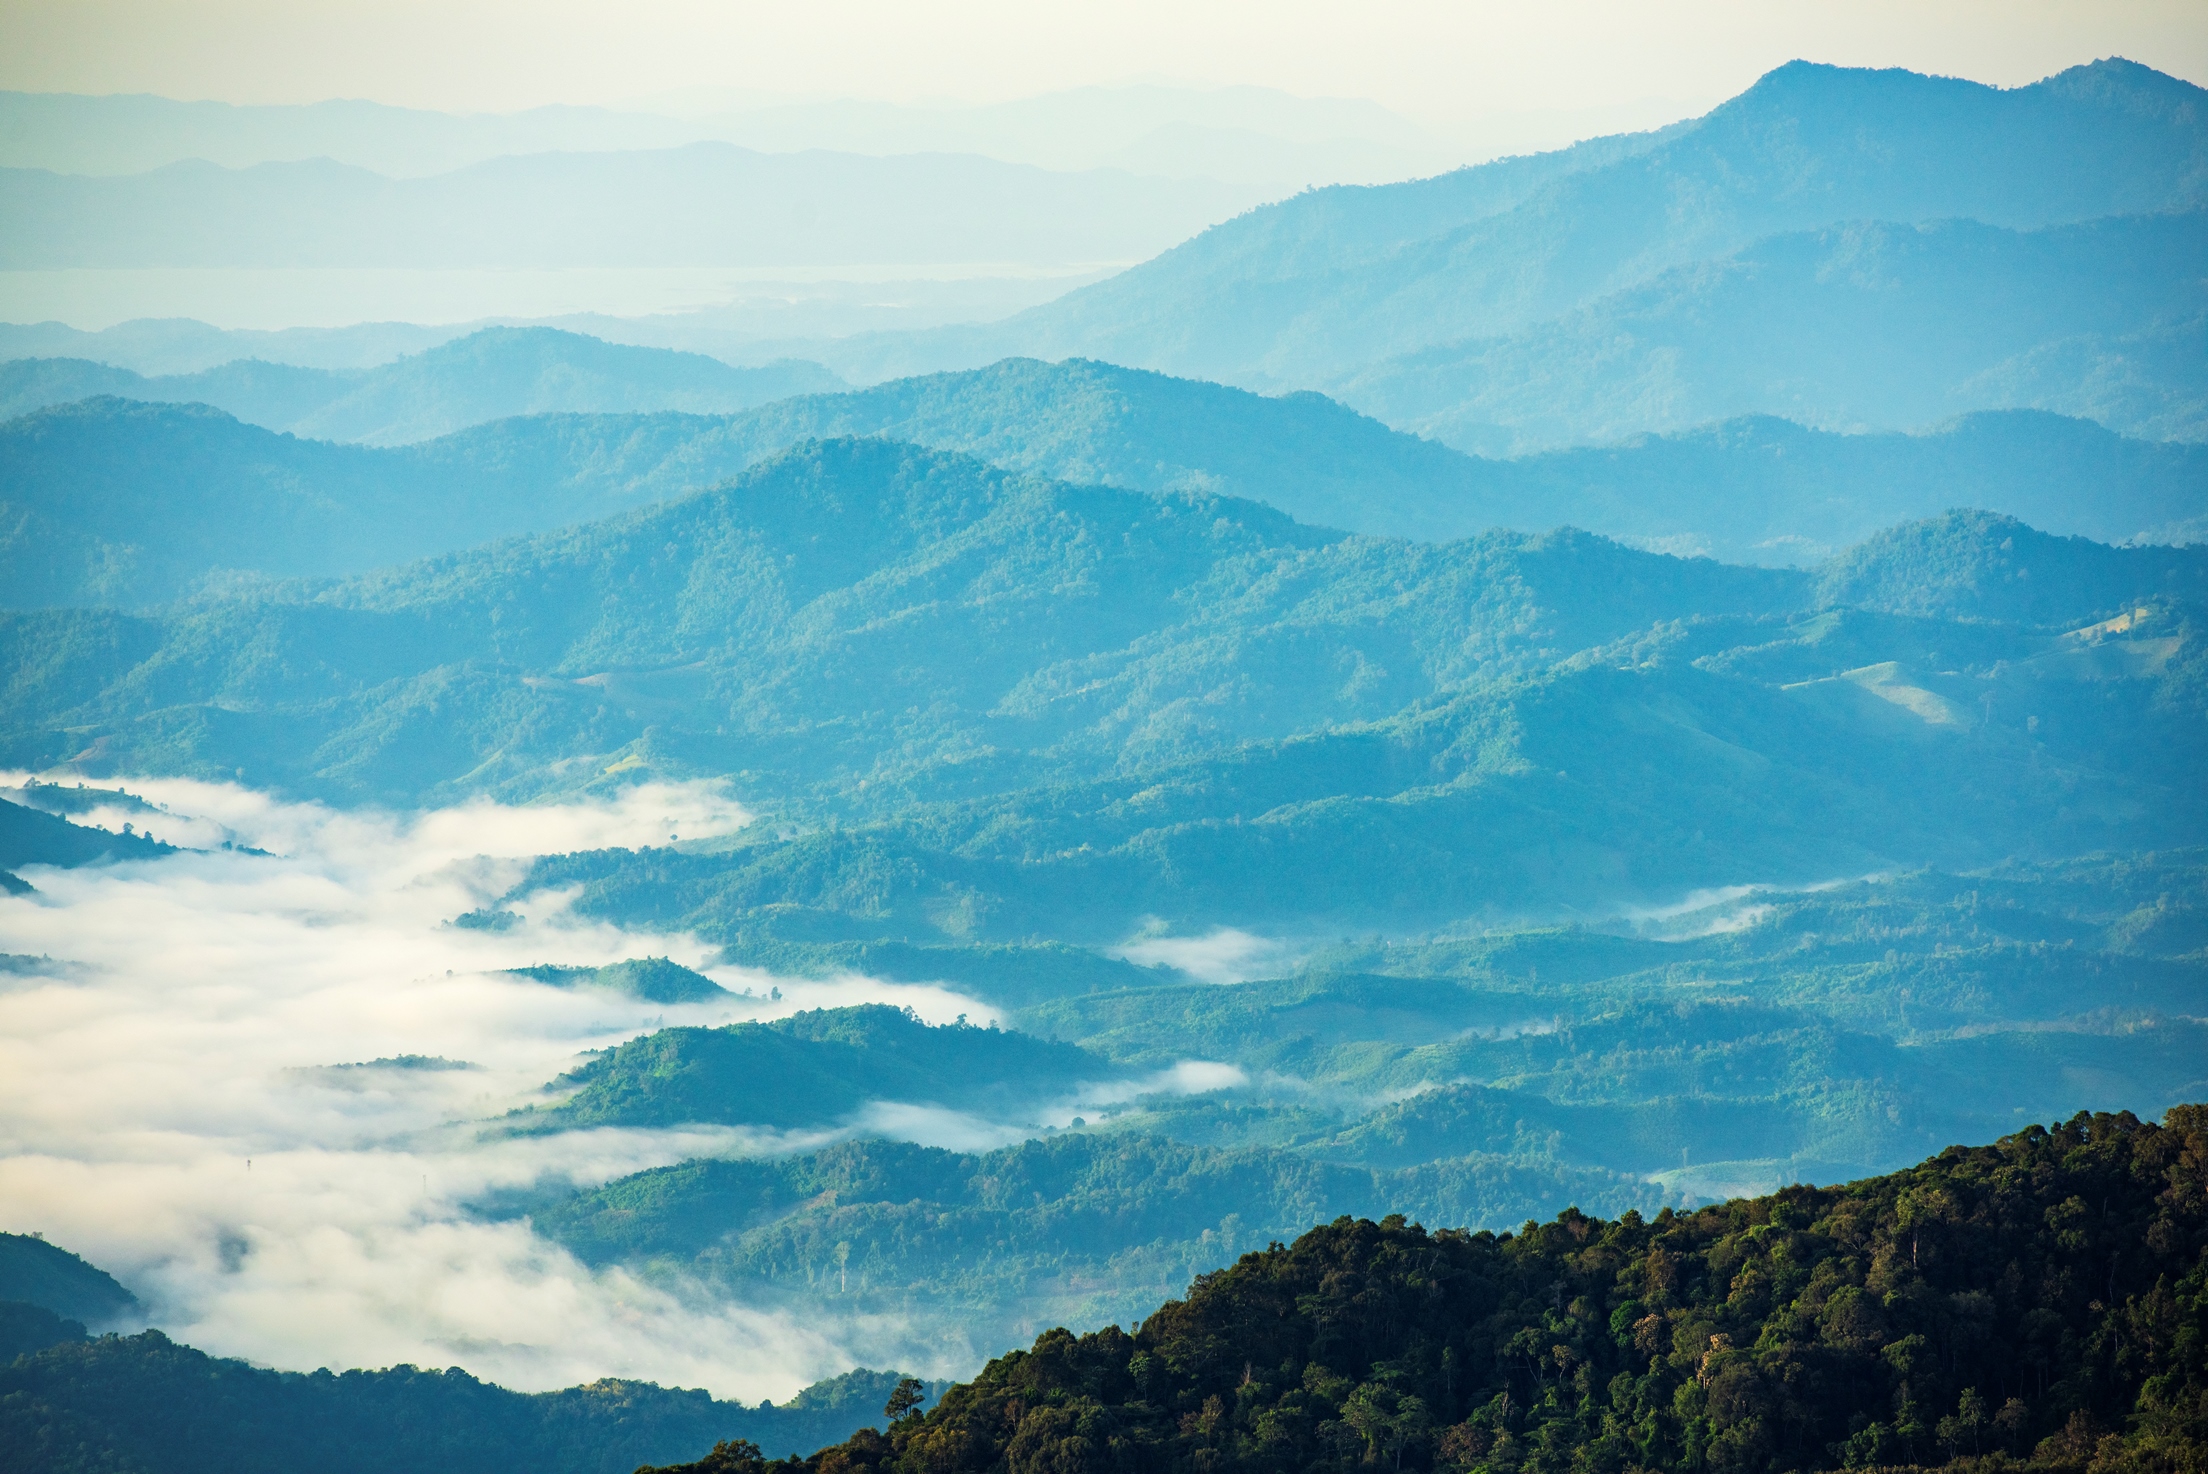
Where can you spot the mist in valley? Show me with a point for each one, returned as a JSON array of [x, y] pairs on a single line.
[[262, 1086], [1458, 740]]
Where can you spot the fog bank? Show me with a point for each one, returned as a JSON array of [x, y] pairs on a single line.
[[169, 1110]]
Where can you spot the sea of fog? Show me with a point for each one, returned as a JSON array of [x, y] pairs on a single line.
[[168, 1110]]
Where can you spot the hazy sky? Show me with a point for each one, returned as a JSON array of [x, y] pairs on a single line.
[[1439, 59]]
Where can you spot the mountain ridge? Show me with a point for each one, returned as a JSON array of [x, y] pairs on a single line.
[[134, 505], [1016, 709]]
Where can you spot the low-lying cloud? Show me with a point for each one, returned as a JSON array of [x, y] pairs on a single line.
[[167, 1110], [1222, 955]]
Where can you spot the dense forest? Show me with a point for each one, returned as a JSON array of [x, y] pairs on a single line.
[[2041, 1302]]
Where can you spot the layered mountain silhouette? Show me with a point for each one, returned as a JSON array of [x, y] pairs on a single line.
[[487, 375], [701, 204], [1855, 326], [134, 504], [1817, 176], [1051, 709]]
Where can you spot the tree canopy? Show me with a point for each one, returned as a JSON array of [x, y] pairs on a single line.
[[2041, 1302]]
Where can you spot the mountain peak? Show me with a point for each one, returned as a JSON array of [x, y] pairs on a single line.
[[2119, 80]]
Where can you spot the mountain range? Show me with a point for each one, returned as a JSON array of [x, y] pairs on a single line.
[[1636, 272], [1059, 708], [1848, 249], [132, 504], [1631, 678], [490, 374], [1246, 136], [702, 204]]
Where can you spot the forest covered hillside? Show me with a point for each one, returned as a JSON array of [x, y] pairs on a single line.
[[995, 707], [1813, 1035], [2036, 1303], [811, 1069]]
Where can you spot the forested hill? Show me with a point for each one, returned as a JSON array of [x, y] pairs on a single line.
[[998, 706], [117, 502], [812, 1069], [2039, 1303]]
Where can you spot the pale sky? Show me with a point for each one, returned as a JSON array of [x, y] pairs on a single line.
[[1436, 61]]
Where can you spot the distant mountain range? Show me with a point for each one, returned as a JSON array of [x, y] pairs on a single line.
[[1852, 327], [703, 204], [1243, 135], [488, 375], [1796, 251], [1848, 249], [131, 503]]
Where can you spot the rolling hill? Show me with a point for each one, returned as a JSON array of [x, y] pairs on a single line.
[[811, 1069], [145, 1402], [1043, 710], [128, 504]]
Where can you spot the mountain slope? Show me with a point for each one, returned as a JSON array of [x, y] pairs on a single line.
[[1864, 325], [34, 1272], [1267, 299], [487, 375]]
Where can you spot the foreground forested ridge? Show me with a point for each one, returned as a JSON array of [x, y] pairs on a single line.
[[2042, 1301]]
